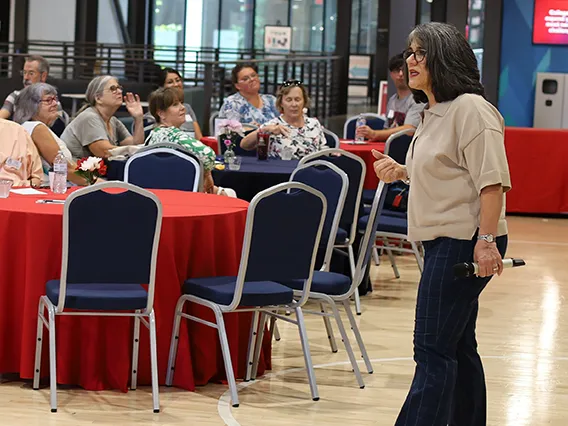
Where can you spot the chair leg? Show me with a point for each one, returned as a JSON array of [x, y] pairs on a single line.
[[52, 359], [226, 356], [39, 345], [418, 256], [347, 343], [307, 354], [376, 257], [358, 337], [391, 258], [174, 342], [135, 351], [329, 330], [275, 331], [154, 362], [352, 266], [258, 345], [251, 344]]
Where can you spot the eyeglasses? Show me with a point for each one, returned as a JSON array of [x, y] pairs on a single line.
[[419, 54], [49, 100], [248, 78], [114, 88], [289, 83], [25, 73]]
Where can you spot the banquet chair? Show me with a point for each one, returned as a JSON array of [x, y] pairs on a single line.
[[374, 121], [116, 289], [333, 289], [333, 183], [355, 169], [214, 115], [331, 138], [165, 166], [299, 212]]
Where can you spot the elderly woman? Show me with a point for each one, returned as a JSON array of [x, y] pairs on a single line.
[[169, 112], [36, 110], [19, 159], [169, 77], [458, 175], [95, 130], [248, 105], [292, 130]]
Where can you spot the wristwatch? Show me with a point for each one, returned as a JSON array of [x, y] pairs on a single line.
[[490, 238]]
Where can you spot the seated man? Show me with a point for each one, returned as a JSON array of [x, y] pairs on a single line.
[[36, 70], [402, 111]]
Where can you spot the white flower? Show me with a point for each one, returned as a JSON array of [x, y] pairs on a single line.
[[90, 164]]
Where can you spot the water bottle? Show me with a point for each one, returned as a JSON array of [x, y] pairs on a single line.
[[361, 121], [59, 174]]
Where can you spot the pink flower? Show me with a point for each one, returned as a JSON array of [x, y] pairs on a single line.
[[228, 143]]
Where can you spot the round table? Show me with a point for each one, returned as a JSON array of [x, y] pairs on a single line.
[[201, 236], [254, 175], [364, 151]]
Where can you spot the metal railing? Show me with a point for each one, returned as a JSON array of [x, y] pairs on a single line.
[[208, 68]]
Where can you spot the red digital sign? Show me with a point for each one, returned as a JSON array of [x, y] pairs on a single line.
[[550, 25]]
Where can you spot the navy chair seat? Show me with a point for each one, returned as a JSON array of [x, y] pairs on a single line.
[[220, 290], [368, 196], [387, 223], [341, 236], [95, 297], [385, 212], [330, 283]]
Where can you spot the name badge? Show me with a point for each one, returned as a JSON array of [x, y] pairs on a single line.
[[12, 163], [390, 114]]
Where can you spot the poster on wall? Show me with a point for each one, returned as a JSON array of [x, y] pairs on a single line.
[[277, 39], [550, 25]]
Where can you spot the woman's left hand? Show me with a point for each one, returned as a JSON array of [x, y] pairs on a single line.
[[133, 105], [488, 259], [208, 184]]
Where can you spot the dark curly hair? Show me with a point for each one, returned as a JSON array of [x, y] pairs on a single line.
[[450, 61]]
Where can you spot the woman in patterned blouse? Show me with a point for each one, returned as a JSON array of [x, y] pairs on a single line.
[[293, 129], [167, 108], [248, 106]]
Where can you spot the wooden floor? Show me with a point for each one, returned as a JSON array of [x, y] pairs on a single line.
[[522, 332]]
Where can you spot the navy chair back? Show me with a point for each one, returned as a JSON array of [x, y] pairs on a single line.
[[333, 183], [282, 234], [374, 121], [355, 169], [397, 145], [133, 234], [160, 167], [331, 138]]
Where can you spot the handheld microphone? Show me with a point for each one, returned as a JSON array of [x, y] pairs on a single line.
[[466, 270]]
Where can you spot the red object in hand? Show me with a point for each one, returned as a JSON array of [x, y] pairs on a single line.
[[262, 145]]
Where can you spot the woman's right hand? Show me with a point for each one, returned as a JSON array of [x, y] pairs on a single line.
[[387, 169], [364, 131], [276, 129]]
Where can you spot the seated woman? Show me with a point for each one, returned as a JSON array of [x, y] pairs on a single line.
[[248, 105], [169, 77], [19, 159], [292, 130], [36, 110], [95, 130], [169, 112]]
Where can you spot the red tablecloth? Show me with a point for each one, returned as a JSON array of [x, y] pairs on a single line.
[[201, 236], [539, 170], [364, 151], [211, 142]]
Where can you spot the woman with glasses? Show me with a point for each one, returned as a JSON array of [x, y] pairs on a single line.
[[95, 130], [36, 110], [169, 77], [248, 106], [292, 130], [458, 175]]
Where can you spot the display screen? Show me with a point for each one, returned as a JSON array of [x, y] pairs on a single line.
[[550, 24]]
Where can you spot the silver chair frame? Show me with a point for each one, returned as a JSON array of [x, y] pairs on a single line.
[[333, 135], [139, 315], [259, 313], [355, 117]]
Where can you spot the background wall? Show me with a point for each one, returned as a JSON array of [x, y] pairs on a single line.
[[521, 60]]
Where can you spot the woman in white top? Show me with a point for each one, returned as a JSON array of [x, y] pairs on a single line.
[[36, 111], [292, 130]]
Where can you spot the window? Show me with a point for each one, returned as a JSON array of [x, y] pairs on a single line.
[[364, 26], [168, 19], [268, 12], [307, 25], [236, 20]]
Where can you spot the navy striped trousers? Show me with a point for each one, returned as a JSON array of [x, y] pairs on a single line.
[[449, 384]]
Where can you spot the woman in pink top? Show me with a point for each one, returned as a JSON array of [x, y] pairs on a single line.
[[19, 159]]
